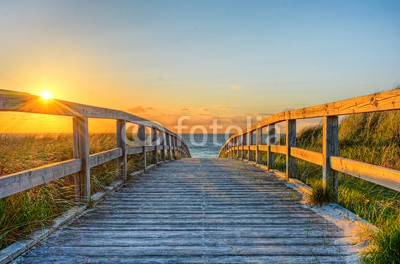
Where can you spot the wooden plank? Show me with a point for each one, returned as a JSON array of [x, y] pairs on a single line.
[[134, 150], [162, 147], [121, 143], [278, 149], [262, 148], [385, 177], [155, 142], [271, 142], [22, 181], [81, 150], [253, 147], [105, 156], [307, 155], [142, 142], [258, 145], [384, 101], [291, 162], [28, 103], [249, 144], [330, 147]]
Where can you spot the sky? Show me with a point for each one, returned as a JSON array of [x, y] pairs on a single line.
[[208, 60]]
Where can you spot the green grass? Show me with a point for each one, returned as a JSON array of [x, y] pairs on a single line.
[[25, 212], [373, 138]]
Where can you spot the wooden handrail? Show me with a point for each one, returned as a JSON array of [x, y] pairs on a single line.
[[329, 159], [163, 140]]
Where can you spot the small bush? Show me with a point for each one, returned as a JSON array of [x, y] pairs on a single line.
[[319, 195]]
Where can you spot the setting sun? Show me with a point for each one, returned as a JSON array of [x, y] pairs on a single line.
[[46, 95]]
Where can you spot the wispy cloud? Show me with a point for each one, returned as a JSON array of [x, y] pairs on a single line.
[[236, 87]]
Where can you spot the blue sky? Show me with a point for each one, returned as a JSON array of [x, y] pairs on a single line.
[[246, 56]]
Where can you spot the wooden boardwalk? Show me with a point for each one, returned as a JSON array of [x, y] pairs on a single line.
[[197, 210]]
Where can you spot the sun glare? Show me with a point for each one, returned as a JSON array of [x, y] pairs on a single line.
[[46, 95]]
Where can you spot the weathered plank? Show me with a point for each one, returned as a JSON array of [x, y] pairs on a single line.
[[121, 143], [278, 149], [376, 174], [105, 156], [197, 210], [18, 182], [81, 151], [130, 150], [330, 148], [307, 155]]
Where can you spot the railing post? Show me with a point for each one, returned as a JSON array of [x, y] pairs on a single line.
[[291, 162], [330, 147], [271, 141], [121, 143], [163, 144], [237, 147], [249, 143], [81, 151], [142, 143], [258, 143], [175, 147], [243, 140], [154, 141], [170, 147]]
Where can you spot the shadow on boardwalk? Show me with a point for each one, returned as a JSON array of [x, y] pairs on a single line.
[[197, 210]]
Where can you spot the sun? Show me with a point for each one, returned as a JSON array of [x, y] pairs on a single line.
[[46, 95]]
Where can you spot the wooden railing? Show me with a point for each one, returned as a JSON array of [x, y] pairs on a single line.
[[241, 144], [170, 145]]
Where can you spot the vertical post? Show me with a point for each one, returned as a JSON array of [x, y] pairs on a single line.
[[121, 143], [271, 141], [330, 147], [163, 144], [249, 143], [154, 141], [174, 153], [169, 147], [258, 144], [291, 162], [237, 140], [81, 151], [243, 142], [142, 143]]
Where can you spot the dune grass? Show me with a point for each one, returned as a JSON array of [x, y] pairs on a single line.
[[373, 138], [25, 212]]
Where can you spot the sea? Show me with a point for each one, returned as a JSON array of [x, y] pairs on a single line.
[[204, 145]]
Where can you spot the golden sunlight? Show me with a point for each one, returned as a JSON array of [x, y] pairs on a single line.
[[46, 95]]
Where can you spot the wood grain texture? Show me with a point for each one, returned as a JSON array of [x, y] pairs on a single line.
[[307, 155], [197, 211], [379, 175], [105, 156], [28, 103], [330, 147], [18, 182]]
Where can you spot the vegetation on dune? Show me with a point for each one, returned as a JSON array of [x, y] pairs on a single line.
[[372, 138], [25, 212]]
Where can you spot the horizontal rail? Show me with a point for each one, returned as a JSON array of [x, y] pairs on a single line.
[[134, 150], [278, 149], [307, 155], [329, 159], [105, 156], [25, 180], [163, 141], [28, 103], [376, 174]]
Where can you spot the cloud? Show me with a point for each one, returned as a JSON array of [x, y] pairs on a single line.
[[137, 110], [236, 87]]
